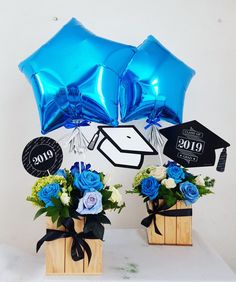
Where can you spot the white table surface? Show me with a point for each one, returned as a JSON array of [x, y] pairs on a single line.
[[127, 256]]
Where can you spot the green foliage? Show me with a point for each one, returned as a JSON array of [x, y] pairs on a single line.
[[204, 191], [209, 182], [168, 195], [102, 176], [117, 186], [40, 212], [35, 201]]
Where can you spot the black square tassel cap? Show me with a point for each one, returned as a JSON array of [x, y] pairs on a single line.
[[191, 144], [123, 146]]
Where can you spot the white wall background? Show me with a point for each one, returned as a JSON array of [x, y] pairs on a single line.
[[202, 33]]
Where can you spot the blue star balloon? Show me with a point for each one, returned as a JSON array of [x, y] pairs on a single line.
[[75, 78], [154, 85]]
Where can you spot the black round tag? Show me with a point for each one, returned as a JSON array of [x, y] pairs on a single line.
[[42, 156]]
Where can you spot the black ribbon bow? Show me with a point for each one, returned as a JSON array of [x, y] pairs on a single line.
[[78, 244], [162, 210]]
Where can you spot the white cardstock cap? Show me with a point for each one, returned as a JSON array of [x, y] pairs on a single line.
[[124, 146]]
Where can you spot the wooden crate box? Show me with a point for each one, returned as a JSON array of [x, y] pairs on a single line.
[[58, 254], [174, 230]]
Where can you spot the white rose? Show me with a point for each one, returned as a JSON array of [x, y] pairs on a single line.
[[169, 183], [199, 180], [115, 196], [65, 199], [158, 172]]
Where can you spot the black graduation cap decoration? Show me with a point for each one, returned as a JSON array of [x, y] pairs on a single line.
[[123, 146], [191, 144]]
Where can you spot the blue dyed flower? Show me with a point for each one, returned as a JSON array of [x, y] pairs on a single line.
[[47, 192], [87, 180], [150, 187], [61, 172], [79, 167], [176, 172], [190, 192], [91, 203]]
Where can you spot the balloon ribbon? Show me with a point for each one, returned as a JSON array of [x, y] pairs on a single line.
[[155, 137], [77, 142], [162, 210], [78, 244]]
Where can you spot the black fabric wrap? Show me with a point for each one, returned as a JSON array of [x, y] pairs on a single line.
[[79, 245]]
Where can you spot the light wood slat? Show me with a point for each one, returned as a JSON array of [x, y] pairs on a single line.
[[170, 228], [184, 227], [71, 266], [54, 252], [95, 265], [153, 237]]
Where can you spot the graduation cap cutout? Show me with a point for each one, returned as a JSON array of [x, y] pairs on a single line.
[[191, 144], [123, 146]]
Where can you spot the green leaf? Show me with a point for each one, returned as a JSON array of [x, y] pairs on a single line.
[[35, 201], [146, 199], [57, 202], [65, 212], [102, 176], [70, 188], [117, 186], [51, 211], [121, 207], [40, 212], [203, 190], [170, 200], [55, 217], [105, 195]]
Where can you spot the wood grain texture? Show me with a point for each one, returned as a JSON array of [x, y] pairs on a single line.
[[58, 254], [184, 227], [95, 265], [54, 252], [71, 266], [170, 229], [153, 237]]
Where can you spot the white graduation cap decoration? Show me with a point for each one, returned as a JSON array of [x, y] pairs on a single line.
[[123, 146]]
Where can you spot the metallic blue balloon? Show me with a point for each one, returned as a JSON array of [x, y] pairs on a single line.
[[76, 76], [154, 84]]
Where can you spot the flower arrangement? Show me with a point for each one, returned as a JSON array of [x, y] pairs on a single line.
[[78, 192], [171, 183]]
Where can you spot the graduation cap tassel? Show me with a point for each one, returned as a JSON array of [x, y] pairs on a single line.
[[222, 161], [94, 140]]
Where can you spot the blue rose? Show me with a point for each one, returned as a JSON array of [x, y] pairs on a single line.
[[61, 172], [150, 187], [87, 180], [176, 172], [91, 203], [47, 192], [190, 192], [79, 167]]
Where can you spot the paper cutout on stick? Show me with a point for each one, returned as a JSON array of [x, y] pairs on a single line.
[[123, 146], [42, 156], [191, 144]]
